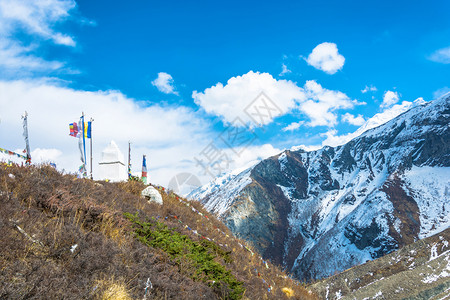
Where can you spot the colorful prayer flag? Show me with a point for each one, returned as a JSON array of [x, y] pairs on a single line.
[[144, 169], [87, 130], [25, 135], [76, 129], [13, 153], [73, 129]]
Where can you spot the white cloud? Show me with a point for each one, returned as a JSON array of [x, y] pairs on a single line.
[[252, 155], [164, 83], [389, 99], [45, 155], [14, 57], [35, 19], [306, 148], [333, 139], [351, 119], [230, 101], [170, 136], [284, 70], [441, 92], [293, 126], [326, 57], [322, 103], [370, 88], [441, 56]]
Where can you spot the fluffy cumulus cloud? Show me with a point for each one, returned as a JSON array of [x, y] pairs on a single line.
[[37, 20], [321, 104], [239, 98], [441, 56], [326, 57], [164, 83], [160, 132], [389, 99], [171, 136], [351, 119]]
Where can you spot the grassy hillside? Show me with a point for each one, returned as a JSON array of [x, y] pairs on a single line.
[[63, 237]]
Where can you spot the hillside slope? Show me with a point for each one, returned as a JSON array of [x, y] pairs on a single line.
[[385, 189], [417, 271], [70, 238]]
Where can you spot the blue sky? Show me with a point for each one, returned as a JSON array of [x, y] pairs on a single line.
[[199, 64]]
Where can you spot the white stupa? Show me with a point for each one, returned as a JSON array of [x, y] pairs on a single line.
[[112, 166]]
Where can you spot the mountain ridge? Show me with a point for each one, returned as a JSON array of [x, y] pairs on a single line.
[[353, 203]]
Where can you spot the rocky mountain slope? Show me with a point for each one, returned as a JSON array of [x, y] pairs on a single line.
[[321, 212], [417, 271]]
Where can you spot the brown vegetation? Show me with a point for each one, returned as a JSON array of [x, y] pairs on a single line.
[[64, 237]]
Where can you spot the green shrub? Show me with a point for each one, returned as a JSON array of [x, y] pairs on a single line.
[[198, 257]]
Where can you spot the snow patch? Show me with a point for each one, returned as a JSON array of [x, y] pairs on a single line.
[[434, 253], [282, 159], [222, 191], [379, 294], [427, 184], [444, 273]]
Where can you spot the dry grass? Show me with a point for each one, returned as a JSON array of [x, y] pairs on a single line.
[[60, 211], [111, 289], [288, 292]]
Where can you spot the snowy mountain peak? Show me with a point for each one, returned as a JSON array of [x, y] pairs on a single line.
[[386, 188]]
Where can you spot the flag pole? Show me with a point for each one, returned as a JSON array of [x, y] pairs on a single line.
[[129, 159], [84, 144], [92, 120]]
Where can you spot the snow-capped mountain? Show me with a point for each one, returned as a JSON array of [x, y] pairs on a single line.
[[323, 211]]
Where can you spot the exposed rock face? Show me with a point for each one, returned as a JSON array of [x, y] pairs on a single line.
[[324, 211]]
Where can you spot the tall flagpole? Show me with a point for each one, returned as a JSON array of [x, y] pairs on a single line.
[[84, 144], [92, 120]]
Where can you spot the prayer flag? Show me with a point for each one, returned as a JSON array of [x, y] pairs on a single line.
[[144, 169], [87, 130], [73, 129], [76, 129]]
